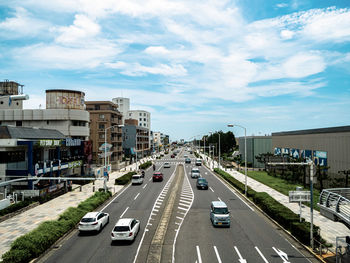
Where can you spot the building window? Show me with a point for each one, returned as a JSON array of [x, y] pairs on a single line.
[[102, 116], [47, 122], [144, 114], [101, 136], [101, 126], [97, 107], [19, 123], [144, 119], [129, 114], [140, 119]]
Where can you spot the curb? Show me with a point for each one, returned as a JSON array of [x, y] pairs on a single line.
[[316, 256]]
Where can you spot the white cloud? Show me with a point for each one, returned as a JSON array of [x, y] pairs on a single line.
[[303, 65], [282, 5], [136, 69], [22, 24], [157, 50], [287, 34]]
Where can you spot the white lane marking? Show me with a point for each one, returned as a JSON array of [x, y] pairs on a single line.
[[150, 218], [150, 179], [144, 186], [124, 212], [219, 199], [183, 204], [156, 210], [115, 197], [217, 254], [261, 255], [179, 207], [199, 255], [282, 255], [186, 197], [160, 167], [211, 189], [179, 217], [234, 192], [241, 259], [136, 196], [184, 201]]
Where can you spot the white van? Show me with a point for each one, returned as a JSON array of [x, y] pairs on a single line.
[[137, 179]]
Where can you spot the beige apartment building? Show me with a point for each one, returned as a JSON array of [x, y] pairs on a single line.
[[103, 116]]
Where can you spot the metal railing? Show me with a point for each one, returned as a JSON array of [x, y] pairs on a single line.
[[336, 202]]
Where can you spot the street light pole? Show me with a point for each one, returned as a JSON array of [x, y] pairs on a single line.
[[245, 154], [219, 149]]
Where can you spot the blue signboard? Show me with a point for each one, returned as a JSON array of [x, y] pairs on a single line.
[[278, 151], [295, 153], [320, 158], [285, 151]]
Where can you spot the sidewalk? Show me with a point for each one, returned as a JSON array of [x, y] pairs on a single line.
[[329, 229], [23, 223]]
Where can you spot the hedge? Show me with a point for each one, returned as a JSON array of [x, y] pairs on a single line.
[[36, 242], [126, 178], [145, 165], [15, 207], [281, 214]]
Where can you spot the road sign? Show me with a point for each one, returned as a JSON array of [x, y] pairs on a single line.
[[103, 154], [299, 196], [104, 146]]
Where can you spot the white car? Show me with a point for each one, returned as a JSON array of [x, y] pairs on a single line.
[[166, 165], [137, 179], [93, 221], [125, 229], [195, 173]]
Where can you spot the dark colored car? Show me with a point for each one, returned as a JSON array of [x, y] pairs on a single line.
[[187, 160], [202, 183], [172, 156], [158, 176]]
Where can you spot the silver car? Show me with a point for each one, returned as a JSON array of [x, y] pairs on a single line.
[[219, 214], [166, 165], [125, 229], [93, 221], [195, 173]]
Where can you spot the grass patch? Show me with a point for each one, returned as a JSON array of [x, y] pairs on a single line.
[[15, 207], [282, 185], [125, 179], [145, 165]]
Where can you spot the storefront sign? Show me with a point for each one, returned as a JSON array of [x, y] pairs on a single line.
[[73, 142], [75, 164], [48, 143]]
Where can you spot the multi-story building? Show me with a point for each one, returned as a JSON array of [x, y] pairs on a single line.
[[65, 111], [123, 106], [135, 139], [255, 145], [103, 116], [143, 117]]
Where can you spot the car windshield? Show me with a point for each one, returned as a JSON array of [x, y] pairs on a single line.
[[202, 180], [87, 219], [136, 177], [220, 210], [121, 228]]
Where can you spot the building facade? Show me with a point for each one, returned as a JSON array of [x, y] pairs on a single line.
[[143, 117], [326, 146], [255, 145], [65, 112], [123, 106], [104, 116], [136, 140]]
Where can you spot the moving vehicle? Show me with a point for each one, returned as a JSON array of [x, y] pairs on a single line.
[[136, 179], [157, 176], [198, 162], [166, 165], [195, 173], [143, 174], [93, 221], [185, 156], [125, 229], [202, 183], [187, 160], [219, 214], [172, 156]]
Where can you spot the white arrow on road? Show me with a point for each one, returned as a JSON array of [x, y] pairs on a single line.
[[241, 259], [282, 254]]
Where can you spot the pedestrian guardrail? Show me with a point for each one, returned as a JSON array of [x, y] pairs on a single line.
[[335, 204]]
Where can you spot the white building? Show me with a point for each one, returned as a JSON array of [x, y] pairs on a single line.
[[65, 111], [123, 106], [143, 117]]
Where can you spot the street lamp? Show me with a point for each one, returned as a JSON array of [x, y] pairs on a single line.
[[105, 166], [245, 153]]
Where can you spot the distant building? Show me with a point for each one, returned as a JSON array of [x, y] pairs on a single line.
[[136, 140], [123, 106], [143, 117], [103, 115], [255, 146], [65, 111]]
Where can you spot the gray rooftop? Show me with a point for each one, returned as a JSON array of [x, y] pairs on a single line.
[[314, 131], [12, 132]]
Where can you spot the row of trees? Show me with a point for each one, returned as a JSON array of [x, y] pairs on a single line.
[[227, 141]]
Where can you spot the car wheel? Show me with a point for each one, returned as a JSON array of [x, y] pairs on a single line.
[[100, 228], [107, 220]]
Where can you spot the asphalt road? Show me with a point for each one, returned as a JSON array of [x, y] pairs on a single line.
[[189, 236]]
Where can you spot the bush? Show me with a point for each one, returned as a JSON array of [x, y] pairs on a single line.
[[145, 165], [126, 178], [281, 214], [15, 207], [34, 243]]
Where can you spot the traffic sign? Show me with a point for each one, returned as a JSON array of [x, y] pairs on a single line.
[[103, 154], [299, 196], [104, 146]]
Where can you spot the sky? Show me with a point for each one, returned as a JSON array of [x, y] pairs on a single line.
[[196, 66]]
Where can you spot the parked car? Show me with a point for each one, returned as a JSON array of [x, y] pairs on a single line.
[[125, 229], [93, 221], [195, 173], [198, 162], [185, 156], [137, 179], [166, 165], [157, 176], [202, 183], [187, 160], [219, 214], [172, 156]]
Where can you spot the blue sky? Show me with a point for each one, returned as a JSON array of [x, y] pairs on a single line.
[[269, 66]]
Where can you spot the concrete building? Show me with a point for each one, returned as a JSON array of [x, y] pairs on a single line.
[[65, 111], [105, 114], [123, 106], [26, 151], [135, 140], [143, 117], [255, 146], [326, 146]]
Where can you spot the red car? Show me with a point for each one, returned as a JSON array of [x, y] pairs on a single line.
[[157, 177], [172, 156]]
